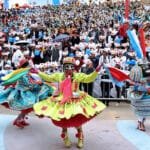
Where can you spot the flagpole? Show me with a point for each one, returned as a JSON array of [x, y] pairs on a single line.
[[127, 9]]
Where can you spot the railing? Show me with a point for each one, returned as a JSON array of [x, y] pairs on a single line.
[[104, 89]]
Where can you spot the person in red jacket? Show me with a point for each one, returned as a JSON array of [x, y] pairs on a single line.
[[123, 29]]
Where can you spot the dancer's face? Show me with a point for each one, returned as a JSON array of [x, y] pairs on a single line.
[[68, 69]]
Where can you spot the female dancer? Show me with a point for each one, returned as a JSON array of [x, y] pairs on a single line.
[[69, 107], [139, 94], [22, 90]]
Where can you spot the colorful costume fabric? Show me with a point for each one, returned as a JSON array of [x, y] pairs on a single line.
[[23, 90], [70, 107], [140, 99]]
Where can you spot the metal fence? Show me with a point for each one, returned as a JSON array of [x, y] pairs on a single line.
[[104, 89]]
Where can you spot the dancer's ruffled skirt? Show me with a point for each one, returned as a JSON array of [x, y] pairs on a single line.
[[140, 102], [20, 99], [72, 114]]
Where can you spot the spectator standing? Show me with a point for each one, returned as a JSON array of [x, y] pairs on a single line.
[[88, 87]]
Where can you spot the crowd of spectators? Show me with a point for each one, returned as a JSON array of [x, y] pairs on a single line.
[[92, 34]]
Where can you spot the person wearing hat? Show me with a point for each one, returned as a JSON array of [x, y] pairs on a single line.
[[7, 69], [69, 107], [22, 90], [16, 57], [139, 94], [87, 69], [79, 60], [56, 53]]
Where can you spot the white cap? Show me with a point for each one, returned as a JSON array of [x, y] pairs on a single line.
[[7, 66], [117, 44]]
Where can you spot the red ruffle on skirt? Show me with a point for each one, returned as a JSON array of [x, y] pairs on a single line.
[[5, 105], [25, 111], [75, 121]]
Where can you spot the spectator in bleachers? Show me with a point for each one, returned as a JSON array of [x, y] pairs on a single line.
[[88, 87]]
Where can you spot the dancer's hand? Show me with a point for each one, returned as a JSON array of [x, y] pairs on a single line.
[[131, 82], [56, 93], [98, 68]]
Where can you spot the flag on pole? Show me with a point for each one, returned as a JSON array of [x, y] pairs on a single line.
[[127, 8], [142, 41], [135, 44], [116, 75]]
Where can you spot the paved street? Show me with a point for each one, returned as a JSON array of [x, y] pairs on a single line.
[[113, 129]]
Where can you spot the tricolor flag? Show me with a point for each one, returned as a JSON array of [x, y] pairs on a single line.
[[135, 43], [117, 76], [142, 41]]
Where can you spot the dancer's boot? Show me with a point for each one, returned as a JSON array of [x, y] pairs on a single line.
[[66, 139]]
